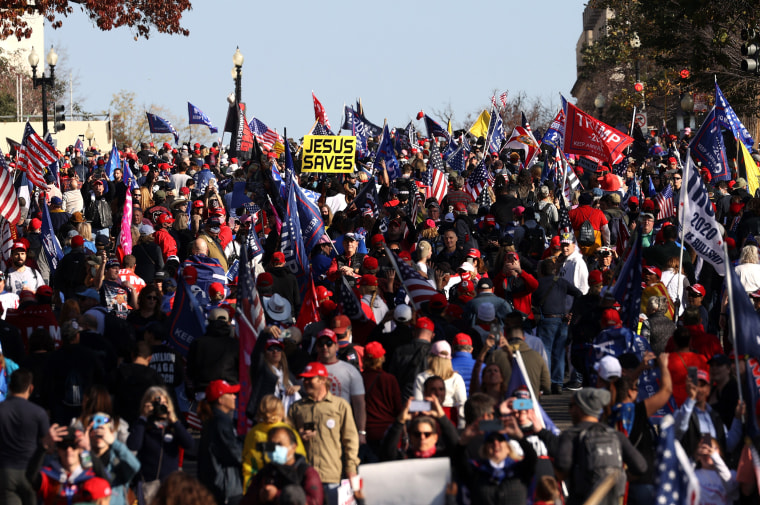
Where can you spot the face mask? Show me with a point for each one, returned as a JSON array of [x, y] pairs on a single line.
[[279, 455]]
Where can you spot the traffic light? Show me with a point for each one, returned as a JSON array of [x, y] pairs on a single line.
[[60, 117], [639, 87], [750, 49]]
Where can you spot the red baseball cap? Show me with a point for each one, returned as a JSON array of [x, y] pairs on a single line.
[[219, 387], [278, 258], [473, 253], [95, 488], [425, 323], [323, 292], [18, 245], [368, 280], [611, 318], [340, 324], [215, 288], [654, 270], [165, 219], [77, 241], [265, 280], [377, 239], [198, 204], [314, 369], [703, 376], [370, 263], [374, 350], [698, 288], [44, 290], [462, 339], [595, 277], [438, 301], [273, 342], [328, 333]]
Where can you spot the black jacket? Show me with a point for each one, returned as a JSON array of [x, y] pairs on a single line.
[[213, 356], [409, 361], [98, 210], [220, 459], [286, 285]]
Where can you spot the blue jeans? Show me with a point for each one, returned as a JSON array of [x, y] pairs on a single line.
[[553, 333], [641, 494], [331, 493]]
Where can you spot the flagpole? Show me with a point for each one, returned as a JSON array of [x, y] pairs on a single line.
[[633, 120], [732, 314], [684, 193]]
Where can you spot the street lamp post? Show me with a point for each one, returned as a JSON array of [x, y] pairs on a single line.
[[52, 59], [687, 105], [89, 134], [599, 102], [237, 60]]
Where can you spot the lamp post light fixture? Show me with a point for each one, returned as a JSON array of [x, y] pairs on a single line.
[[599, 102], [237, 60], [687, 103], [45, 82], [89, 134]]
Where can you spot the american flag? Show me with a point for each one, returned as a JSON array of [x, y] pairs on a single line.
[[6, 241], [434, 177], [503, 98], [9, 207], [564, 224], [664, 200], [320, 129], [419, 290], [493, 101], [350, 304], [676, 481], [265, 135], [34, 156], [250, 322], [621, 168], [478, 180]]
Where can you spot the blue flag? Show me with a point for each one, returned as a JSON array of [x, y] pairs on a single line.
[[113, 162], [196, 116], [161, 125], [239, 198], [628, 286], [727, 118], [518, 380], [50, 244], [406, 138], [496, 132], [291, 240], [361, 132], [747, 330], [434, 129], [651, 191], [385, 152], [186, 319], [707, 147], [252, 244], [129, 178], [312, 226]]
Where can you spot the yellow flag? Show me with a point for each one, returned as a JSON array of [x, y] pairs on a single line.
[[449, 129], [751, 169], [480, 128]]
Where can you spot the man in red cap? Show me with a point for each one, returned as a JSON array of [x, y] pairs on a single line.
[[285, 282], [410, 359], [163, 237], [327, 429], [20, 276]]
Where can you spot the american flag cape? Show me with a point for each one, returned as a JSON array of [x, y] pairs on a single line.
[[419, 290], [249, 316], [34, 155], [675, 479], [9, 207], [349, 303], [265, 135], [664, 201]]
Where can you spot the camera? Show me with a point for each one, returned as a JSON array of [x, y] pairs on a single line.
[[265, 447], [159, 409]]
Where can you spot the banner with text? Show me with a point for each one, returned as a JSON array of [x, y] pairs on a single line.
[[328, 154]]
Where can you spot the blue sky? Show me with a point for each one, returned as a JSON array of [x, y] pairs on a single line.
[[399, 58]]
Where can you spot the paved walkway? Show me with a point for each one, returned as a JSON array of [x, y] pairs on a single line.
[[556, 407]]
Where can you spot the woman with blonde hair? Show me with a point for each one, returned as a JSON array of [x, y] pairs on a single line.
[[271, 414], [439, 364], [85, 230], [676, 283], [424, 253], [146, 198], [157, 437]]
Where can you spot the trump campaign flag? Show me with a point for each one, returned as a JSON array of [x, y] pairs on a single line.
[[556, 132], [585, 135], [196, 116], [113, 162], [697, 219], [309, 216], [434, 128], [291, 240], [385, 152], [50, 244], [707, 147], [727, 118], [241, 142], [496, 133], [186, 321], [319, 111], [158, 124]]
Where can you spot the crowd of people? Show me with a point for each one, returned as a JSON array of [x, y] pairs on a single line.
[[99, 400]]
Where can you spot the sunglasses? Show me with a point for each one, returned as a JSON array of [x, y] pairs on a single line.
[[396, 250], [275, 348], [422, 434], [325, 343]]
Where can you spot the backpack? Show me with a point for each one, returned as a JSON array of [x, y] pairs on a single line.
[[586, 235], [601, 454], [533, 243], [544, 218]]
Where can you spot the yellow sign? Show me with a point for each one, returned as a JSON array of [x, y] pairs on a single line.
[[328, 153]]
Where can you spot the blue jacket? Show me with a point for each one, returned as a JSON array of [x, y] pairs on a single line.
[[463, 363]]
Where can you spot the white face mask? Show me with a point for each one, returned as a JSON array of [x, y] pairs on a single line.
[[279, 455]]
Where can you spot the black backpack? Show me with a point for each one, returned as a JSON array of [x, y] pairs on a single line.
[[586, 235], [600, 454], [544, 220], [533, 243]]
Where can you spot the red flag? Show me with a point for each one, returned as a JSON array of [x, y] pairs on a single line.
[[309, 309], [585, 135], [319, 112]]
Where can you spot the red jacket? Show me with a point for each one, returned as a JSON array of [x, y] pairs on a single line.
[[703, 343], [521, 300], [166, 242]]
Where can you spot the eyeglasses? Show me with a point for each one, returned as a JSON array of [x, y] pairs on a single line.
[[422, 434], [325, 343]]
